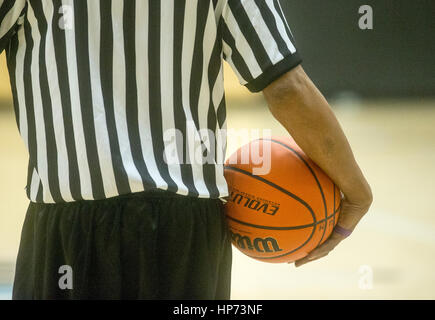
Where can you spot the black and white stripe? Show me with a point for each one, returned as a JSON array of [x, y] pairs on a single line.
[[97, 85]]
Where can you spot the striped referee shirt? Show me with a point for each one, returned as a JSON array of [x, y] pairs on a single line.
[[117, 96]]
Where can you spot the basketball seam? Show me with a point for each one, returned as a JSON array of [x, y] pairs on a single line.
[[258, 226], [333, 186], [301, 246], [315, 178], [288, 193], [315, 222], [295, 197]]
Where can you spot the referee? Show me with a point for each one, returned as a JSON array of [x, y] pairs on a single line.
[[113, 100]]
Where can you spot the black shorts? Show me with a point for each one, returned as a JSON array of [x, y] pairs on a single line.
[[148, 245]]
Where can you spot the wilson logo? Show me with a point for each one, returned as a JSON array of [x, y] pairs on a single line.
[[254, 203], [268, 244]]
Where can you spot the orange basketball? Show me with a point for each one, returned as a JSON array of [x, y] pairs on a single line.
[[283, 208]]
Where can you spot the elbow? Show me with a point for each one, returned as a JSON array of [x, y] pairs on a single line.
[[287, 88]]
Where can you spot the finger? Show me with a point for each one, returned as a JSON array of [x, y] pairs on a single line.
[[322, 250], [308, 259], [350, 214], [311, 257], [328, 245], [335, 238]]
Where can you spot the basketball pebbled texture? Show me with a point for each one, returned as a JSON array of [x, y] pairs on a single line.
[[284, 214]]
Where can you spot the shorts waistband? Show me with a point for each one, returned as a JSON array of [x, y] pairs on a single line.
[[147, 194]]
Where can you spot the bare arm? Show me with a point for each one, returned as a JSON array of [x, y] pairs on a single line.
[[300, 107]]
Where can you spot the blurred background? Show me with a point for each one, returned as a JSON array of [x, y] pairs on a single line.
[[381, 85]]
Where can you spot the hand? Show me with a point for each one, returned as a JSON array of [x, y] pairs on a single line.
[[349, 217], [300, 107]]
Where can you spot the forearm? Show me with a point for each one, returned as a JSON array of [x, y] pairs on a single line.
[[299, 106]]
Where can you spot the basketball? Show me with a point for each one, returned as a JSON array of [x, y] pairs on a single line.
[[282, 207]]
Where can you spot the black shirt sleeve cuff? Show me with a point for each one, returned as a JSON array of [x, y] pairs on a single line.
[[274, 72]]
